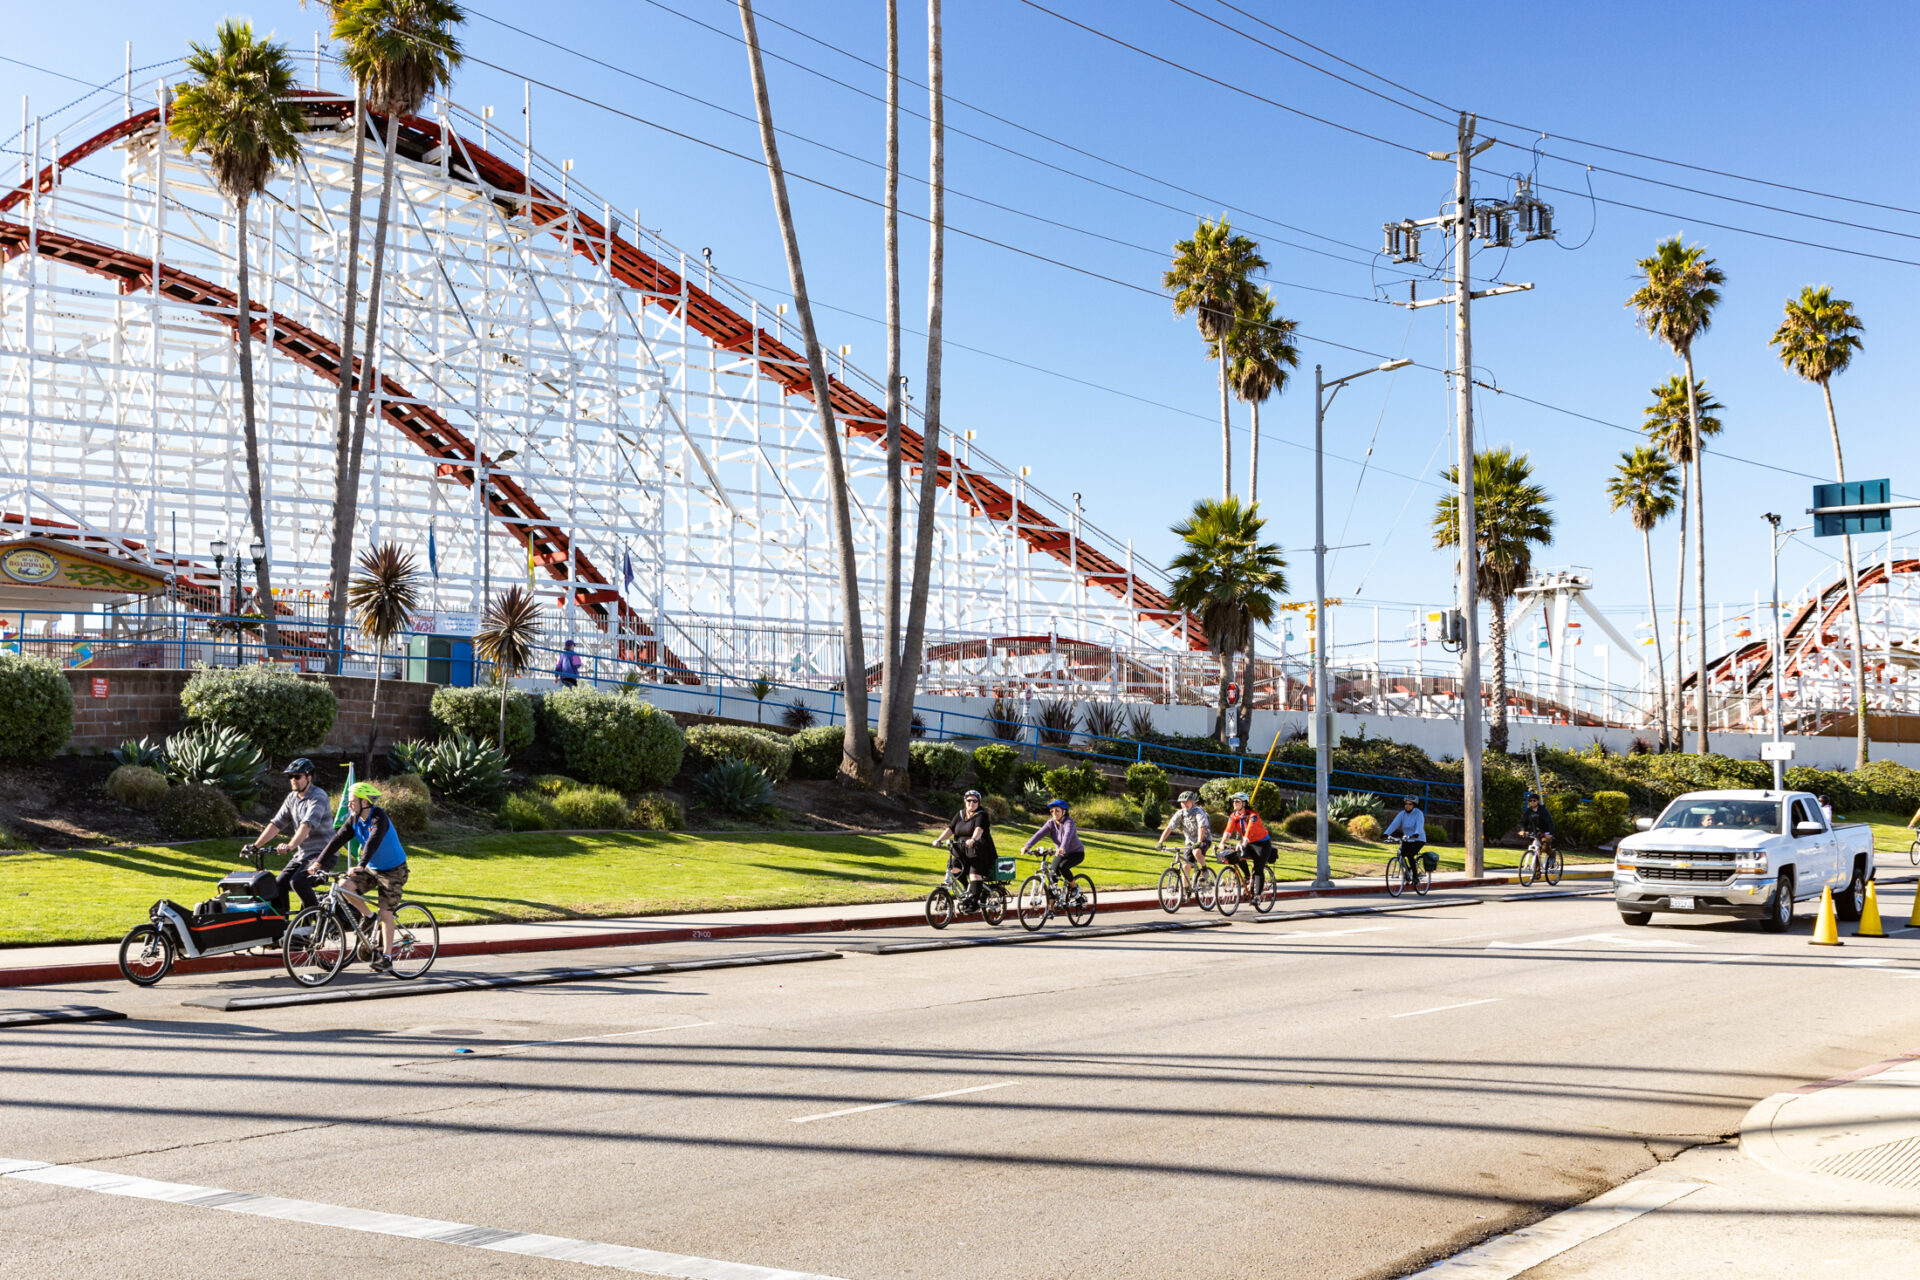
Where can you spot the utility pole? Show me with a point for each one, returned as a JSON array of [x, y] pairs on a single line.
[[1494, 222]]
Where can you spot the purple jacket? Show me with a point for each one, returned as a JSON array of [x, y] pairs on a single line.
[[1065, 836]]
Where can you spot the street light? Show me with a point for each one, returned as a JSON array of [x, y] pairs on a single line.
[[1777, 648], [1322, 712]]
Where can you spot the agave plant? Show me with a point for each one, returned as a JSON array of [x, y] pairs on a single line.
[[1350, 805], [144, 752], [1055, 717], [218, 756], [411, 756], [737, 787], [461, 768]]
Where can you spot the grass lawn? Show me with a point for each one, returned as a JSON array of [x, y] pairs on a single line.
[[97, 895]]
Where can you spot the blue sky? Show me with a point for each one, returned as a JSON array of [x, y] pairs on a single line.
[[1761, 90]]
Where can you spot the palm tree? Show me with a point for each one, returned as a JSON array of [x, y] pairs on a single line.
[[1670, 426], [1211, 276], [1674, 304], [398, 52], [856, 759], [1260, 350], [1644, 484], [1510, 518], [1227, 577], [237, 109], [505, 638], [383, 600], [1818, 339], [894, 777]]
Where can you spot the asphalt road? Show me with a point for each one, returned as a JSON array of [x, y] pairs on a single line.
[[1329, 1098]]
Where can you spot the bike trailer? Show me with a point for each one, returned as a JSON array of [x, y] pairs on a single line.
[[248, 884], [226, 924], [1003, 870]]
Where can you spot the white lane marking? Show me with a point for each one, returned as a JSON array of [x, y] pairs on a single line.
[[901, 1102], [1506, 1256], [1612, 939], [1442, 1008], [1738, 956], [503, 1050], [560, 1248], [1329, 933], [1862, 964]]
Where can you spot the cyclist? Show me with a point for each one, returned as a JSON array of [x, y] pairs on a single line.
[[1195, 830], [1409, 826], [1245, 824], [970, 833], [1068, 852], [308, 821], [383, 861], [1537, 822]]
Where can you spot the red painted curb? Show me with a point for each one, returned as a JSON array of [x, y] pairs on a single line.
[[47, 975]]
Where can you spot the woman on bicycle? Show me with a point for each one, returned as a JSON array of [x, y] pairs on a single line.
[[1409, 827], [1068, 852], [1245, 825], [970, 835]]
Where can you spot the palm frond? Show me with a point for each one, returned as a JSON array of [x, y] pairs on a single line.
[[1665, 420], [1211, 276], [1224, 574], [399, 51], [238, 110], [1678, 292], [1645, 484], [1511, 517], [386, 594], [508, 631], [1819, 336]]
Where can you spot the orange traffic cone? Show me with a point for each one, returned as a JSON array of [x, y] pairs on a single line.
[[1913, 920], [1826, 931], [1870, 917]]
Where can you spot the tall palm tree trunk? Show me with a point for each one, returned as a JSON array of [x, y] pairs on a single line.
[[368, 361], [1860, 744], [1226, 428], [900, 726], [893, 747], [1497, 723], [1699, 556], [503, 711], [250, 430], [1680, 617], [1253, 459], [856, 763], [345, 482], [1659, 653], [1220, 713]]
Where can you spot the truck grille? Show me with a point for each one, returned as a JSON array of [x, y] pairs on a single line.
[[1686, 875], [1688, 855]]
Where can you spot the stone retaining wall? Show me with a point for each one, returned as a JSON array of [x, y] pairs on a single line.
[[145, 702]]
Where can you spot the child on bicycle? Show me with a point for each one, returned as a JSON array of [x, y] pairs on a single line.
[[1191, 821], [1068, 852], [383, 861], [969, 833], [1246, 825]]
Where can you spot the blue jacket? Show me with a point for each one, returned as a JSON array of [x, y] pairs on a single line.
[[380, 847]]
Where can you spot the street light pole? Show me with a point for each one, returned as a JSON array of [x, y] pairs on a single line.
[[1322, 705], [1779, 649]]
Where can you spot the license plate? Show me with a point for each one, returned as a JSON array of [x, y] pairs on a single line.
[[1681, 904]]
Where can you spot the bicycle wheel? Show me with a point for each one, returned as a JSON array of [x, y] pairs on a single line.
[[1266, 891], [1553, 867], [315, 948], [939, 906], [1525, 872], [146, 955], [1172, 892], [1228, 895], [416, 940], [1083, 903], [1418, 876], [1035, 904], [994, 909], [1396, 875], [1206, 888], [1913, 853]]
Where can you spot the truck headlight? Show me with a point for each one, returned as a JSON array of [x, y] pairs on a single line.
[[1751, 862], [1626, 858]]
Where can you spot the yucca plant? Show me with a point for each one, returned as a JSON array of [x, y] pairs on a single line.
[[505, 638], [1005, 714], [217, 756], [798, 715], [1139, 721], [383, 600], [1101, 719], [736, 787], [472, 772], [1055, 718], [144, 752]]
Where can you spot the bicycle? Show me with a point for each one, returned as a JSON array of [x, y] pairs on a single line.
[[325, 939], [1542, 860], [1251, 884], [1404, 869], [944, 898], [1177, 887], [1046, 892], [1913, 852]]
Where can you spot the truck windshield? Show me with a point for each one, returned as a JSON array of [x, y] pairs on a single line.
[[1740, 815]]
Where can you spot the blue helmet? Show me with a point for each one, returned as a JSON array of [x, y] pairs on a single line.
[[1058, 803]]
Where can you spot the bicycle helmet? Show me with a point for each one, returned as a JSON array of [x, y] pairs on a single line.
[[1241, 796], [298, 766], [1186, 796], [1057, 803], [972, 795], [365, 791]]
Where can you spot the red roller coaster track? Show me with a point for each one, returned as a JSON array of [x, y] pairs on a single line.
[[725, 328]]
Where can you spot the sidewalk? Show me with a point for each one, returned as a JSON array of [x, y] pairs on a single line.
[[42, 966], [1823, 1185]]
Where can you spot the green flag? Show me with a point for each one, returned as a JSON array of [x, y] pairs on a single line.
[[340, 815]]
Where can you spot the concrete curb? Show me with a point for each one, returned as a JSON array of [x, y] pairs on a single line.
[[1759, 1137], [48, 975], [66, 1013], [1005, 939]]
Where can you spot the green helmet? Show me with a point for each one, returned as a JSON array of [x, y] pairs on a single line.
[[365, 791]]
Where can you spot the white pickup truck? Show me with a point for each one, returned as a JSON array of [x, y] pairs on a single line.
[[1751, 854]]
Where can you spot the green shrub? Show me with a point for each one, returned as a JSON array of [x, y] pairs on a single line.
[[590, 809], [468, 770], [476, 713], [709, 744], [817, 751], [280, 712], [1572, 822], [1837, 787], [137, 786], [1887, 786], [1304, 825], [1027, 775], [218, 756], [1609, 817], [409, 756], [737, 787], [1677, 772], [1107, 813], [613, 739], [144, 752], [1152, 813], [655, 812], [1364, 827], [1503, 798], [1268, 800], [36, 709], [525, 811], [1076, 782], [936, 764], [944, 802], [994, 766], [551, 784], [408, 801], [999, 806], [1350, 805], [1146, 781], [196, 811]]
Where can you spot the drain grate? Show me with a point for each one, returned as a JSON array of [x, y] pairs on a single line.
[[1891, 1164]]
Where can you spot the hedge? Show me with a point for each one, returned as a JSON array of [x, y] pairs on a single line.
[[1076, 782], [1107, 813], [137, 786], [1268, 802], [36, 709], [196, 811], [281, 713], [935, 765], [711, 744], [613, 739], [476, 713], [817, 751], [1146, 781], [994, 767]]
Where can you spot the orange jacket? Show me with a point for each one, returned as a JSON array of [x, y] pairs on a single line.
[[1247, 826]]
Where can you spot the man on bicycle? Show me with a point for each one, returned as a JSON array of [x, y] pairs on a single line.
[[308, 821], [383, 861], [970, 834], [1195, 830], [1068, 852], [1409, 827], [1246, 825], [1537, 822]]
